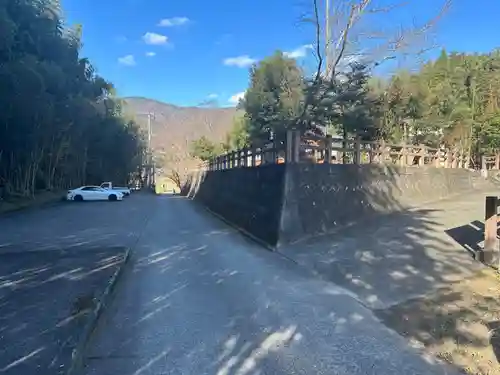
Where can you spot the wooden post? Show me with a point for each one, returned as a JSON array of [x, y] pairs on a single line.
[[383, 152], [296, 146], [357, 150], [254, 150], [289, 146], [437, 159], [328, 149], [456, 160], [484, 167], [274, 152], [402, 156], [490, 230], [371, 154], [423, 154], [448, 159]]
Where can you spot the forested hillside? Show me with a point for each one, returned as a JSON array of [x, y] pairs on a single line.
[[173, 128], [60, 124]]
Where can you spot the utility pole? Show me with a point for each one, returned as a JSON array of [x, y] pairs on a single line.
[[328, 54], [150, 168]]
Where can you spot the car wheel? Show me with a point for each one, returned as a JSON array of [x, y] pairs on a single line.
[[78, 198], [112, 197]]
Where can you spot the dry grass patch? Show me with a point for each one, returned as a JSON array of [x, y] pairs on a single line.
[[459, 324]]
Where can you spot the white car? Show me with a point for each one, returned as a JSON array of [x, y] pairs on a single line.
[[109, 186], [93, 193]]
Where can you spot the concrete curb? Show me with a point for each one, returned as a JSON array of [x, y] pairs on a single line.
[[79, 350]]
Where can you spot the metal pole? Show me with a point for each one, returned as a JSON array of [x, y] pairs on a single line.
[[150, 170], [328, 56], [150, 167], [149, 132]]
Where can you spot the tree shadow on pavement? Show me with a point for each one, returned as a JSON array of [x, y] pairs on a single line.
[[45, 301], [387, 251], [239, 311], [458, 324], [403, 246]]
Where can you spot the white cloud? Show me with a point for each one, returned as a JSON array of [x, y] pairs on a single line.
[[175, 21], [150, 54], [155, 39], [299, 52], [239, 61], [212, 96], [128, 60], [235, 99]]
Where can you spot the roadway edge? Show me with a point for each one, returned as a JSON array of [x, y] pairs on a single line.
[[79, 350], [57, 201], [241, 230]]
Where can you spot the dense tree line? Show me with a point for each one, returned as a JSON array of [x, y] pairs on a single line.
[[452, 101], [60, 124]]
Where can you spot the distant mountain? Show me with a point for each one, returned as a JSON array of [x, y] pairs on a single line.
[[173, 128]]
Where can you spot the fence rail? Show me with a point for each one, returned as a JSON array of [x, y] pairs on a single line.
[[315, 149]]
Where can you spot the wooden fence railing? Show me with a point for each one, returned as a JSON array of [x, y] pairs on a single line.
[[316, 149]]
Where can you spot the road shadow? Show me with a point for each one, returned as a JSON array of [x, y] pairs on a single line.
[[194, 307], [45, 301], [471, 237], [371, 239], [458, 323]]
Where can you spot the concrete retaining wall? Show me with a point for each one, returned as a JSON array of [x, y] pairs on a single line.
[[280, 204], [319, 198], [251, 198]]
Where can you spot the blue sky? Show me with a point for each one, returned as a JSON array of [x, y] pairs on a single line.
[[184, 51]]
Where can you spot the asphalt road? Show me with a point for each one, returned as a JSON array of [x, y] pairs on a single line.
[[198, 298]]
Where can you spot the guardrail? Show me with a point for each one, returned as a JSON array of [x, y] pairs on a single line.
[[317, 149]]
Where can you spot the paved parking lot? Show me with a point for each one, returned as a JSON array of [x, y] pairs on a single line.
[[76, 224]]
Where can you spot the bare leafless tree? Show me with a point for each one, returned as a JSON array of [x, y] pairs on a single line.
[[176, 178], [364, 31], [361, 31]]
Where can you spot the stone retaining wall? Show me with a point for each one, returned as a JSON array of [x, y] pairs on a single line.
[[280, 204]]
